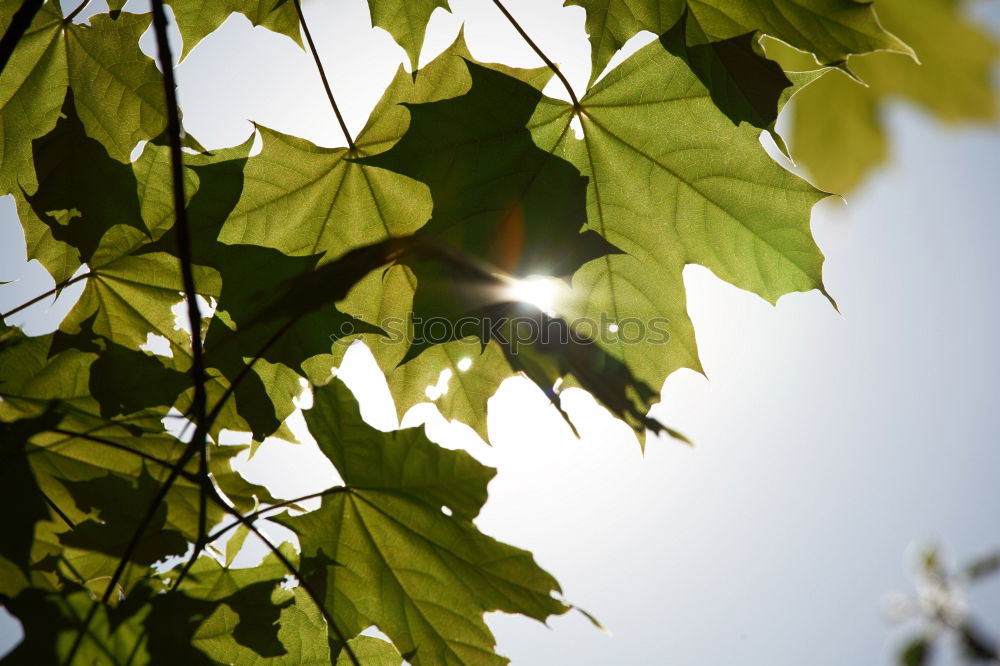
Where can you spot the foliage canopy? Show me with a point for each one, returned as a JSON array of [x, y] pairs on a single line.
[[465, 180]]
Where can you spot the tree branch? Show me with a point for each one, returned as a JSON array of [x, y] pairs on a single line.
[[198, 440], [174, 133], [194, 315]]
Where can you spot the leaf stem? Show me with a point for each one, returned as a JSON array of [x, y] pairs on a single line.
[[79, 8], [19, 24], [55, 290], [541, 54], [322, 75]]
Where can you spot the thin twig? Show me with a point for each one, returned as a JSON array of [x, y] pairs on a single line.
[[545, 58], [19, 24], [198, 440], [115, 445], [199, 545], [194, 315], [322, 75], [59, 512], [174, 133], [273, 507], [81, 633], [55, 290], [245, 370], [79, 8], [292, 569]]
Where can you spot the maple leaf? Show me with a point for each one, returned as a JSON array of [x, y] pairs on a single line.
[[383, 552], [839, 133], [744, 85], [108, 74], [497, 197], [831, 29], [196, 20], [672, 182], [465, 179], [406, 22]]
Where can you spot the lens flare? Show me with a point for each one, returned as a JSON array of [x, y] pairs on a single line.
[[541, 292]]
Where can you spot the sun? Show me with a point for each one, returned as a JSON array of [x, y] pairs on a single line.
[[542, 292]]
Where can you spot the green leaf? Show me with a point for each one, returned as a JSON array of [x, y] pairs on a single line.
[[127, 294], [32, 376], [830, 29], [383, 552], [235, 543], [152, 627], [112, 528], [674, 182], [404, 461], [301, 631], [83, 462], [253, 602], [298, 195], [371, 651], [69, 214], [474, 374], [406, 22], [839, 133], [743, 84], [611, 23], [52, 621], [124, 381], [497, 196], [196, 20], [109, 77]]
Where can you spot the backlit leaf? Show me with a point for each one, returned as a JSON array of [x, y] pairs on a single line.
[[383, 552]]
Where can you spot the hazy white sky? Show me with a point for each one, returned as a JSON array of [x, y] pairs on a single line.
[[828, 444]]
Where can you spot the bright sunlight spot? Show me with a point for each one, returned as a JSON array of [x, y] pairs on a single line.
[[464, 364], [435, 391], [538, 291]]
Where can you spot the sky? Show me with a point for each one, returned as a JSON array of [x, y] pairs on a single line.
[[829, 446]]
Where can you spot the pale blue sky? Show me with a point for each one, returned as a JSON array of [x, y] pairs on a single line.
[[829, 445]]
